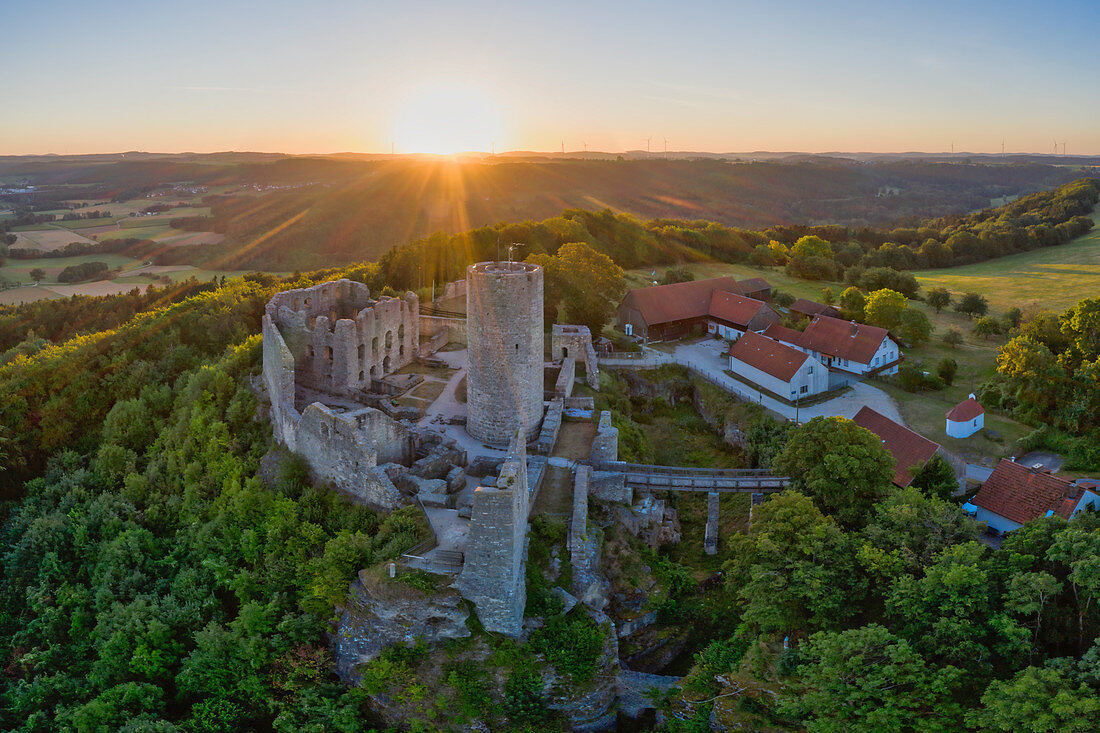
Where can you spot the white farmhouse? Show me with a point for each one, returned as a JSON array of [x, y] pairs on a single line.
[[850, 350], [777, 368], [965, 418]]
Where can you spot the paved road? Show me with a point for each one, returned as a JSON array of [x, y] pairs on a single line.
[[708, 356]]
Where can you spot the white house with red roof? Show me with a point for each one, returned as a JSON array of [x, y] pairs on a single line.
[[965, 418], [777, 368], [847, 348], [1015, 494]]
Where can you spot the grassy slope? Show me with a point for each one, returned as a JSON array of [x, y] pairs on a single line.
[[1052, 277]]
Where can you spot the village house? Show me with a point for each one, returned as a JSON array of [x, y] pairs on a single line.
[[1015, 494], [909, 449], [666, 312], [850, 350], [965, 418], [776, 368]]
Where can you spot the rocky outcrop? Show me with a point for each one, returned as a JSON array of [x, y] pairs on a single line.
[[381, 612], [591, 706]]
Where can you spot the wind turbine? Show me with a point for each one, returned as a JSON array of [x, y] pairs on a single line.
[[493, 147], [647, 147], [1063, 150], [666, 148]]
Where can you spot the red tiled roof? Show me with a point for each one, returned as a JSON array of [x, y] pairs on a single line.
[[754, 285], [965, 411], [678, 301], [908, 448], [784, 334], [768, 355], [1019, 493], [813, 308], [835, 337], [733, 308]]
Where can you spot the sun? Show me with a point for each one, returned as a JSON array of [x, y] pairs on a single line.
[[444, 118]]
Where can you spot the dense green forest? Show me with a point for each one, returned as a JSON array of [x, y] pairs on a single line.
[[149, 574]]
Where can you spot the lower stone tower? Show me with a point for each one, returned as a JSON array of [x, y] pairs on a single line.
[[505, 350]]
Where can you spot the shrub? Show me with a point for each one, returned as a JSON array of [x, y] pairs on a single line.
[[572, 643], [946, 369], [523, 698], [952, 338]]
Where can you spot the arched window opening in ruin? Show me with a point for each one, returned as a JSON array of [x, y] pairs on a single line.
[[565, 352], [309, 301], [374, 372], [361, 376], [389, 340], [374, 347], [362, 353], [400, 351], [386, 365], [401, 332], [328, 353]]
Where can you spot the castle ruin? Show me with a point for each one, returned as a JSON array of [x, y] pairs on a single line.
[[322, 347]]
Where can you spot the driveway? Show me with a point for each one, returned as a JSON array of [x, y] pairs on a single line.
[[707, 356]]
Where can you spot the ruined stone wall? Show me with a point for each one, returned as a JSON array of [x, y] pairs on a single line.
[[551, 426], [605, 446], [344, 448], [504, 381], [569, 341], [340, 338], [493, 576], [278, 377], [564, 386]]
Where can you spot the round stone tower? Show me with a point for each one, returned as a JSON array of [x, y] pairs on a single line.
[[505, 346]]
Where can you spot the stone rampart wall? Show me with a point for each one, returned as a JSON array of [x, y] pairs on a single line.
[[278, 377], [551, 426], [454, 328]]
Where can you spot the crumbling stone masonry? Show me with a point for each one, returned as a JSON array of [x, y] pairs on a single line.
[[605, 446], [504, 379], [493, 576], [575, 342], [335, 339], [340, 339], [345, 449]]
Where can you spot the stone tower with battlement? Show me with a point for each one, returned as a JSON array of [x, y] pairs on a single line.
[[505, 350]]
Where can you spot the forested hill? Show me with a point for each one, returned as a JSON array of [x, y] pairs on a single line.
[[329, 211]]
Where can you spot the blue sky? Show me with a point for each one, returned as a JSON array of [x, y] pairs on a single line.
[[329, 76]]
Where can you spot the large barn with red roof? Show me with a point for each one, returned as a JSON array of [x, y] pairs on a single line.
[[719, 305]]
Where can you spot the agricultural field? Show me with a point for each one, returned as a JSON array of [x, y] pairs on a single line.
[[1052, 277], [49, 239]]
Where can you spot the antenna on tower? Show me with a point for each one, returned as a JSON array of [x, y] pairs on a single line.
[[563, 147], [1002, 148], [952, 147], [586, 147], [666, 148]]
